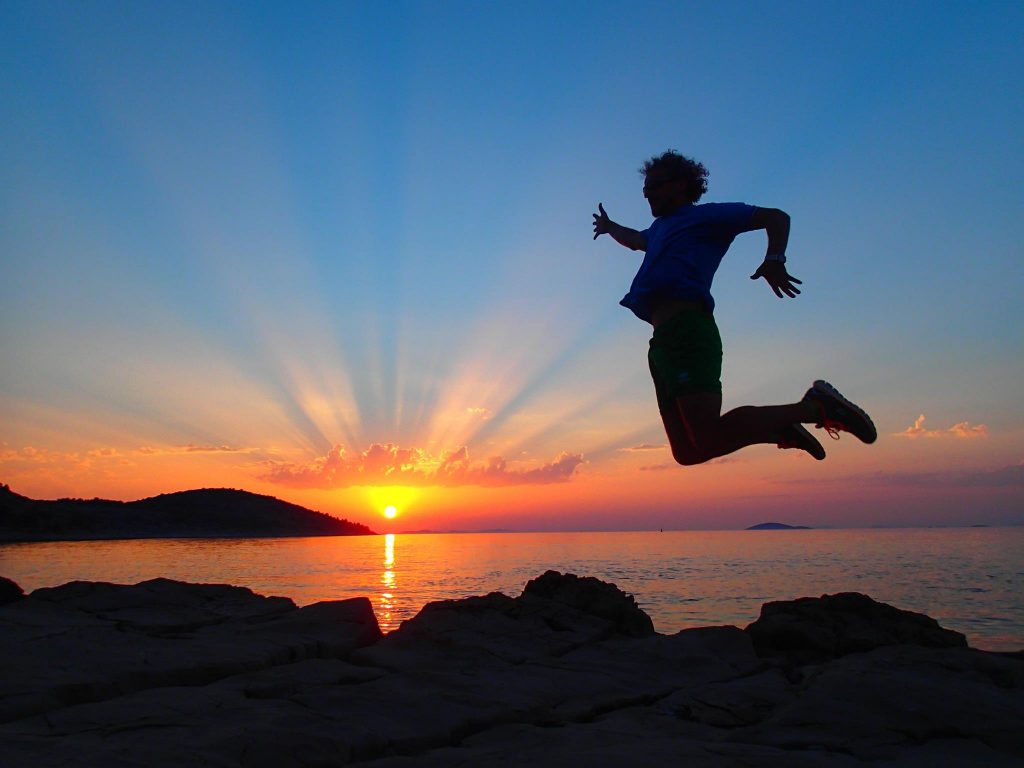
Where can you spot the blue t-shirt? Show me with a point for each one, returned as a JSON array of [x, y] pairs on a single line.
[[684, 250]]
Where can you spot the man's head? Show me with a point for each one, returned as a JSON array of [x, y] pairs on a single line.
[[672, 180]]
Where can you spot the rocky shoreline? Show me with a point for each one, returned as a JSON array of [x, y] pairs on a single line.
[[569, 673]]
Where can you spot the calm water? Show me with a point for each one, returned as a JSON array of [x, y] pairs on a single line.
[[971, 580]]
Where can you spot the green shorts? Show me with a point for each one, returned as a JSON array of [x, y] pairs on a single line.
[[685, 356]]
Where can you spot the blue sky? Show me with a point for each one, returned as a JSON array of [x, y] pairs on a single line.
[[286, 227]]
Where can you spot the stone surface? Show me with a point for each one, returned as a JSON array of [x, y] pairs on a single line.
[[592, 596], [85, 642], [170, 674], [9, 591], [830, 626]]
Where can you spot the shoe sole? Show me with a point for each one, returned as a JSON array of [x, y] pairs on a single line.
[[808, 443], [827, 389]]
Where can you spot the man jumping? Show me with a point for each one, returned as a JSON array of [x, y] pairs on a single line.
[[672, 291]]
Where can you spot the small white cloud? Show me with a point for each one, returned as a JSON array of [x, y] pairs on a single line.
[[965, 430], [962, 430]]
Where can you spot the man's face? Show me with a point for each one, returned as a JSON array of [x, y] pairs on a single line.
[[663, 194]]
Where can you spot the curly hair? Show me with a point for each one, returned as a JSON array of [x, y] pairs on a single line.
[[678, 167]]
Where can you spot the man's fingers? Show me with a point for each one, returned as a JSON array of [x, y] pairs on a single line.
[[791, 290], [600, 207], [798, 282]]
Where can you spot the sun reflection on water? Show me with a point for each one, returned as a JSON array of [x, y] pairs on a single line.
[[387, 580]]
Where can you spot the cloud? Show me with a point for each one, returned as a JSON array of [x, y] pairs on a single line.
[[963, 429], [105, 453], [387, 464], [672, 465], [959, 430], [163, 450], [32, 455], [44, 456], [1001, 477], [645, 447], [483, 413], [1011, 476]]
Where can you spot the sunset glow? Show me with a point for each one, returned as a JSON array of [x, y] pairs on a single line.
[[362, 279]]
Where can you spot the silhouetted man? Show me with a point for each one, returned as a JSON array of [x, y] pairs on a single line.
[[672, 291]]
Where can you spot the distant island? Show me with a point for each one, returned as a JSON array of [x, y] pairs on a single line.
[[209, 513], [777, 527]]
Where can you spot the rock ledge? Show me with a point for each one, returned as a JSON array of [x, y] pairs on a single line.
[[570, 672]]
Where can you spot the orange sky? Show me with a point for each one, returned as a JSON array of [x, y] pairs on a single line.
[[247, 248], [892, 483]]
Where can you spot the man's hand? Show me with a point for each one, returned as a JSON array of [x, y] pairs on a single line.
[[630, 238], [780, 280], [602, 224]]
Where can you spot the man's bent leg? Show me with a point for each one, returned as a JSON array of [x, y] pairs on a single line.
[[688, 424], [702, 433]]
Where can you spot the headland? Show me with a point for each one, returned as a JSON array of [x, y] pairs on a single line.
[[201, 513]]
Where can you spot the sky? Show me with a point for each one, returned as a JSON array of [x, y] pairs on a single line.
[[342, 254]]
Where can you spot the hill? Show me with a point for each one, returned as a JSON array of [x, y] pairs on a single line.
[[206, 513], [777, 527]]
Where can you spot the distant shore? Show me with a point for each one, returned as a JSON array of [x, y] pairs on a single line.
[[208, 513]]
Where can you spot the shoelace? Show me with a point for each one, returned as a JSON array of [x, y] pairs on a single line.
[[829, 425], [832, 427]]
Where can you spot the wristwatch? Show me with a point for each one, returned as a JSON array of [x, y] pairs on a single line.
[[779, 257]]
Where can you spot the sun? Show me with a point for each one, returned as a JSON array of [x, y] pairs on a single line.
[[390, 511]]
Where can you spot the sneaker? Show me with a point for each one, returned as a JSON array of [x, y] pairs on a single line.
[[838, 413], [796, 436]]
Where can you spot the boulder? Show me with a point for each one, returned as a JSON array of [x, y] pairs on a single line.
[[9, 591], [595, 597], [163, 604], [819, 628], [555, 614]]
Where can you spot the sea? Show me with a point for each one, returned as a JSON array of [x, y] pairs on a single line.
[[969, 579]]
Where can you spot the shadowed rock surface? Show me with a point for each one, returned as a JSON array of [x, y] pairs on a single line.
[[830, 626], [9, 591], [168, 674]]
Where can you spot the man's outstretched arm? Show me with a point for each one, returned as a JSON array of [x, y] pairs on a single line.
[[773, 269], [622, 235]]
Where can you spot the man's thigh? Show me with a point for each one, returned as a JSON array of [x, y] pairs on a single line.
[[694, 417]]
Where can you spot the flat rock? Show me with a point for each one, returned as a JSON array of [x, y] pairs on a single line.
[[87, 642], [167, 674], [163, 604], [876, 705]]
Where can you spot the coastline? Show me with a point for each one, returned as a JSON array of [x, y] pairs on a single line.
[[569, 672], [682, 580]]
